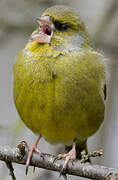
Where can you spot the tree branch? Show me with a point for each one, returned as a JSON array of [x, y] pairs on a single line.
[[18, 155]]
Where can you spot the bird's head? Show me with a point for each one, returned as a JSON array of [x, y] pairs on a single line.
[[62, 28]]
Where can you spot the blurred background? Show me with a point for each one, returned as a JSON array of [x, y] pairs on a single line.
[[16, 25]]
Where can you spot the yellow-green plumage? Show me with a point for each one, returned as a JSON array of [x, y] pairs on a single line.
[[58, 89]]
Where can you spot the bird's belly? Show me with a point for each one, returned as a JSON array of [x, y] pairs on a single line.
[[60, 109], [57, 98]]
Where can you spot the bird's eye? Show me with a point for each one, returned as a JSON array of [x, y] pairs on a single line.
[[61, 27]]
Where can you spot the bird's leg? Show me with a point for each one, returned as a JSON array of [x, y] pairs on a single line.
[[31, 150], [70, 156]]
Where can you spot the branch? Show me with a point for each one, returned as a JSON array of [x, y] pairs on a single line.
[[19, 155]]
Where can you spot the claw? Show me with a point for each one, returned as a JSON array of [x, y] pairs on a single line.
[[72, 163], [27, 170], [31, 150], [62, 172], [34, 169], [55, 158]]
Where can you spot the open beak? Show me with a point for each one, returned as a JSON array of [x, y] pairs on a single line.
[[45, 30]]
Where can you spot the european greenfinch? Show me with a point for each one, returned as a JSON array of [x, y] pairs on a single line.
[[59, 82]]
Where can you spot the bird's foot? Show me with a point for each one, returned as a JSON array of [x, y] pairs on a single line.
[[70, 156], [31, 149]]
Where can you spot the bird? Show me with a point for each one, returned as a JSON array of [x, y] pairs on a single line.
[[60, 82]]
